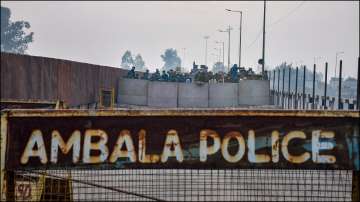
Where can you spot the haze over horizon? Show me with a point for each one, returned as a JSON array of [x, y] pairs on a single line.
[[100, 32]]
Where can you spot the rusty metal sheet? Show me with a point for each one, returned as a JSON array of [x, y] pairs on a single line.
[[26, 104], [33, 77], [182, 139]]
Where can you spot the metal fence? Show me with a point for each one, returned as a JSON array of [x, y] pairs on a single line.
[[288, 93], [185, 185]]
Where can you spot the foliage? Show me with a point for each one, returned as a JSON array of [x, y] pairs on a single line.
[[127, 61], [13, 37], [218, 67], [139, 63], [171, 59]]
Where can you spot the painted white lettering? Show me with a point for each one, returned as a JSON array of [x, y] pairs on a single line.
[[36, 138], [252, 156], [225, 146], [143, 157], [275, 146], [172, 140], [206, 150], [73, 142], [124, 138], [317, 146], [100, 146], [284, 147]]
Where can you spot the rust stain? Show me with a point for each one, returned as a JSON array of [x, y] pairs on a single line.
[[180, 112]]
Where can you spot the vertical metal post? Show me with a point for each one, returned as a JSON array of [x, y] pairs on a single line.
[[278, 88], [358, 86], [240, 39], [355, 196], [304, 77], [223, 47], [229, 50], [296, 84], [326, 69], [283, 89], [313, 90], [206, 38], [274, 74], [289, 86], [340, 77], [263, 48]]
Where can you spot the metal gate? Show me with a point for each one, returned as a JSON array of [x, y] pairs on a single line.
[[179, 154]]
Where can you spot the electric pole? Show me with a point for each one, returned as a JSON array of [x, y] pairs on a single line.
[[263, 49]]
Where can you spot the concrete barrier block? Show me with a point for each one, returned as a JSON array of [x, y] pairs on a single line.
[[132, 91], [193, 95], [162, 94], [254, 92], [223, 95]]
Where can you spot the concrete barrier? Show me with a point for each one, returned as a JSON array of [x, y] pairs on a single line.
[[132, 92], [162, 94], [254, 92], [170, 94], [223, 95], [193, 95]]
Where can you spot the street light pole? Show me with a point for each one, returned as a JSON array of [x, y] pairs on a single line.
[[184, 58], [263, 49], [218, 49], [227, 30], [206, 38], [229, 50], [240, 32], [337, 53], [223, 51], [315, 59]]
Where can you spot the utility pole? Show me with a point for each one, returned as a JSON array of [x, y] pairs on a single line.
[[263, 49]]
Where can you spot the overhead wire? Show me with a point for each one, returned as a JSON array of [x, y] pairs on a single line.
[[276, 22]]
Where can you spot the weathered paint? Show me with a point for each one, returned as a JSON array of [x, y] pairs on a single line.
[[155, 139], [36, 140], [73, 142], [27, 104], [100, 146], [3, 136], [285, 146], [183, 112], [124, 139], [225, 145], [355, 140], [32, 77]]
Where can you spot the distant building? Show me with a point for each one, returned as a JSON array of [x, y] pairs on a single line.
[[348, 87]]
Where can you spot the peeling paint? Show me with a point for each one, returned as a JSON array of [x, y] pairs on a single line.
[[284, 147], [225, 144], [236, 141], [100, 146]]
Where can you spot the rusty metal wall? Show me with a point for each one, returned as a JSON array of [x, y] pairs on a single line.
[[32, 77]]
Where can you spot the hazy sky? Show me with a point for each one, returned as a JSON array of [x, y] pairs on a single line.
[[100, 32]]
